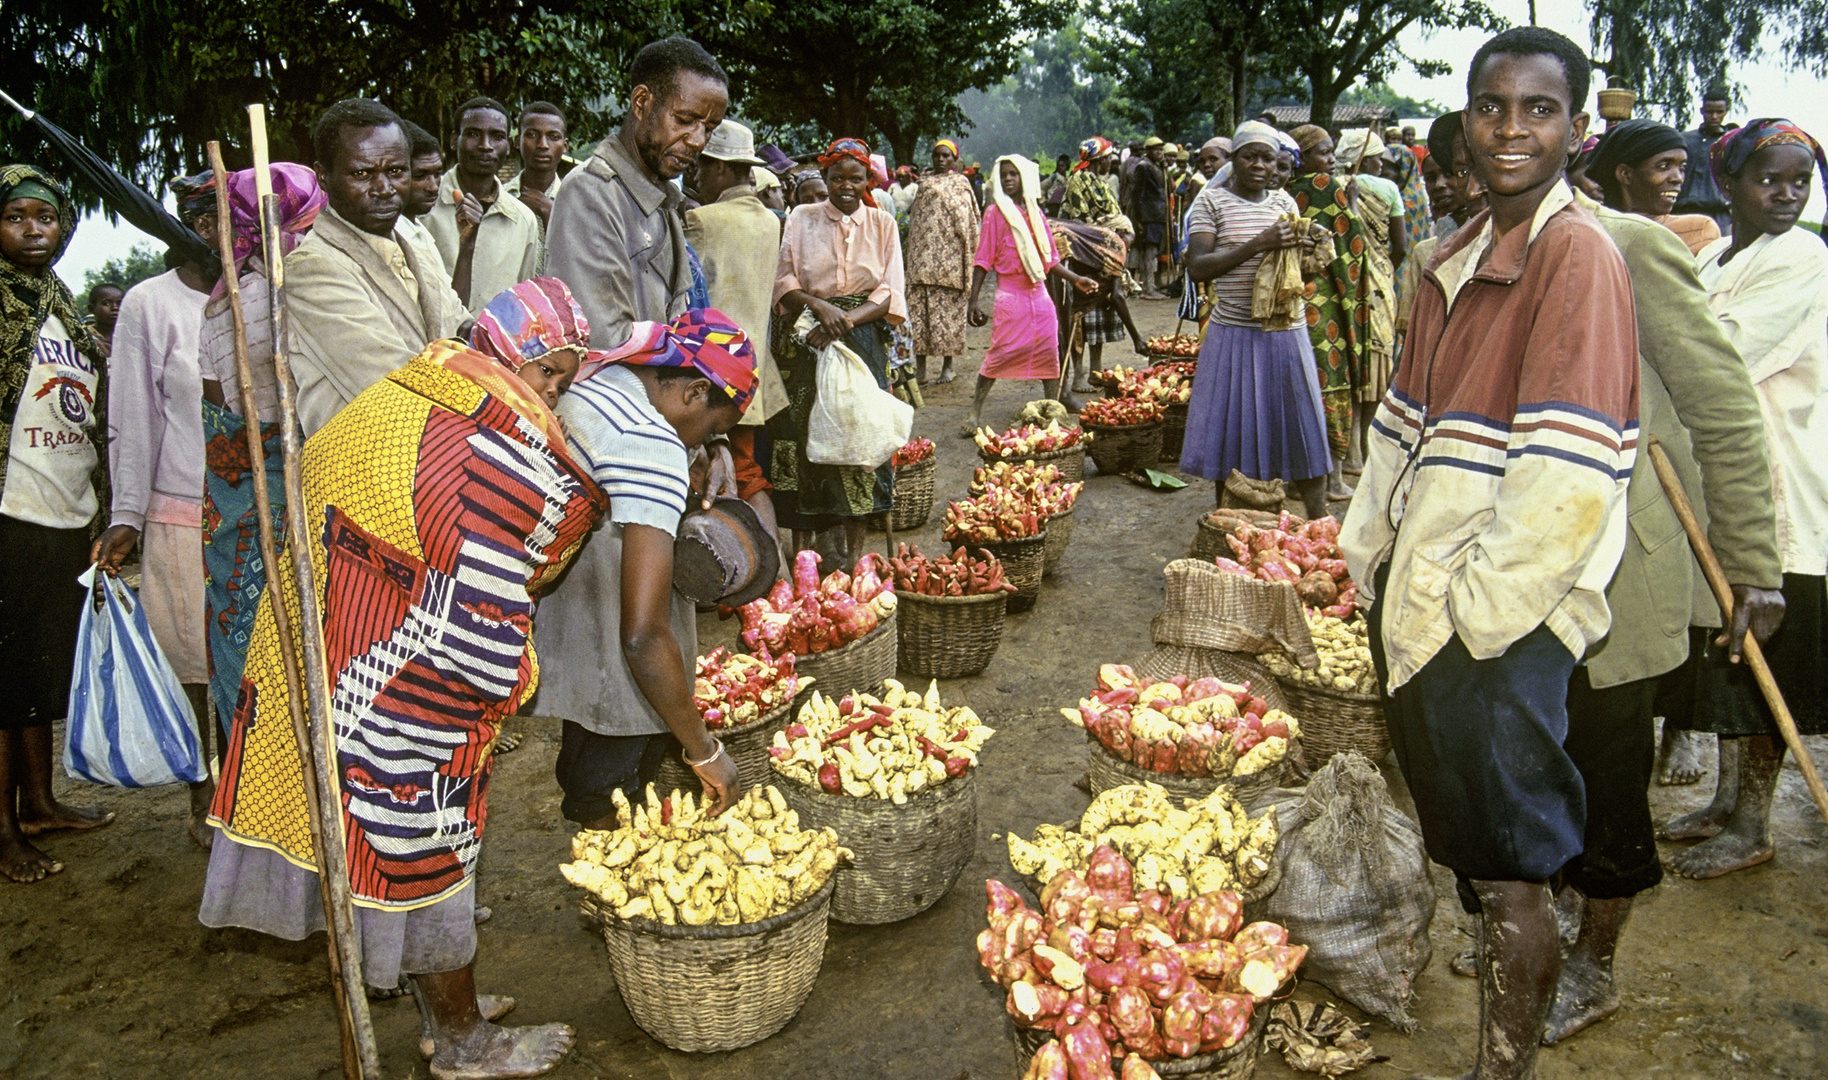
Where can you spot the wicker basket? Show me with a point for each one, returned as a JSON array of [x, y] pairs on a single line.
[[1174, 431], [903, 858], [1059, 534], [1125, 448], [746, 745], [1232, 1063], [944, 637], [1024, 561], [1107, 770], [1209, 539], [1332, 721], [913, 494], [861, 665], [712, 988], [1069, 460]]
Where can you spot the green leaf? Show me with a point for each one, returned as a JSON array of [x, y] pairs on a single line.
[[1163, 480]]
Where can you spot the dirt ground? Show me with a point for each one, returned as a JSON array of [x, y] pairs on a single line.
[[107, 973]]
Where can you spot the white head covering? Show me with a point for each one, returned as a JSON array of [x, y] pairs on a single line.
[[1254, 131], [1027, 224], [1351, 146]]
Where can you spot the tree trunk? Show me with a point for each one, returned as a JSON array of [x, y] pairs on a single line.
[[1320, 81], [1234, 112]]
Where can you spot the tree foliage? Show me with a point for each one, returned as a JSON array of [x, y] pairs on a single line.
[[1057, 98], [1670, 50], [146, 83], [895, 67], [1335, 44]]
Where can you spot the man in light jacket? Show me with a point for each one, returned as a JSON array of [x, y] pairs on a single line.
[[738, 241], [362, 300]]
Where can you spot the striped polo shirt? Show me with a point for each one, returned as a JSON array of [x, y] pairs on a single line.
[[631, 451]]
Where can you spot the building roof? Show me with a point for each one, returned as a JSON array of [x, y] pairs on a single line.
[[1289, 115]]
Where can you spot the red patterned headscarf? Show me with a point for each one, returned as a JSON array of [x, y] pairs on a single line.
[[704, 338], [529, 320], [1091, 150], [856, 150]]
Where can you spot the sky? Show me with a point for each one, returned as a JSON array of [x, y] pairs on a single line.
[[1768, 90]]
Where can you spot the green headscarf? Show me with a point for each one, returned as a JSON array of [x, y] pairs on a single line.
[[27, 298]]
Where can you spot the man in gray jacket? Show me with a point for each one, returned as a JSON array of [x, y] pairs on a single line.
[[615, 236], [1697, 403]]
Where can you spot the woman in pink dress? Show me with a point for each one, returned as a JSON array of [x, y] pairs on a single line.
[[1017, 245]]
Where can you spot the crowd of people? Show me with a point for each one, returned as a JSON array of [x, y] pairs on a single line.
[[506, 382]]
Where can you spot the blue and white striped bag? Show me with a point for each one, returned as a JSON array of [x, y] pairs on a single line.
[[130, 724]]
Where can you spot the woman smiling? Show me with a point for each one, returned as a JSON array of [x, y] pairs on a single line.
[[1640, 165]]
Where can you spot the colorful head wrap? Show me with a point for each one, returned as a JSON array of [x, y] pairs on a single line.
[[1308, 136], [1731, 151], [196, 195], [529, 320], [948, 144], [1091, 150], [1286, 142], [905, 170], [705, 339], [1254, 131], [295, 193]]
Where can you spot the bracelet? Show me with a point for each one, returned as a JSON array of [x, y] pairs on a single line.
[[719, 752]]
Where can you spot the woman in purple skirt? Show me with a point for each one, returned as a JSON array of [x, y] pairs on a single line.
[[1256, 398]]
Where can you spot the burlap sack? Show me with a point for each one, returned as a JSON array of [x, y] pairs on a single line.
[[1241, 491], [1355, 887], [1209, 608]]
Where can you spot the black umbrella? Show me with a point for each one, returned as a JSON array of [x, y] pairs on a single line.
[[124, 197]]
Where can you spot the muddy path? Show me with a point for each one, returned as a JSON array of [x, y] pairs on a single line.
[[105, 972]]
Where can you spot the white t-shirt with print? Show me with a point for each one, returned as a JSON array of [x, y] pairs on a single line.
[[51, 457]]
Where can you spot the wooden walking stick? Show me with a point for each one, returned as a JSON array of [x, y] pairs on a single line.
[[361, 1061], [276, 598], [1723, 592]]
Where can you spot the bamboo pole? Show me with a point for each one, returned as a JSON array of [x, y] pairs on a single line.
[[319, 751], [225, 234], [1723, 592]]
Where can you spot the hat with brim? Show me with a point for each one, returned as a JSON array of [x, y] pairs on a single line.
[[1152, 142], [734, 143], [724, 556]]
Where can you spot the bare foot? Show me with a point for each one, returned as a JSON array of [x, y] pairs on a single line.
[[491, 1007], [1338, 491], [1584, 996], [1679, 758], [969, 428], [497, 1053], [1699, 825], [1465, 963], [63, 817], [1725, 853], [1569, 904], [507, 742], [24, 863]]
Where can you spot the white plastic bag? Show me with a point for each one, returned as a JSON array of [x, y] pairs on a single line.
[[130, 724], [853, 421]]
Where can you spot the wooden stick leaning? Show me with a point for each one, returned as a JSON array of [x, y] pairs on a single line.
[[225, 233], [319, 750], [1723, 592]]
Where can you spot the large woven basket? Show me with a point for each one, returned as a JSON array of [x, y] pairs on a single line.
[[746, 745], [944, 637], [1069, 460], [1209, 539], [1174, 431], [903, 858], [1120, 449], [712, 988], [1332, 721], [1059, 534], [861, 665], [913, 494], [1024, 561], [1164, 662], [1107, 770], [1237, 1062]]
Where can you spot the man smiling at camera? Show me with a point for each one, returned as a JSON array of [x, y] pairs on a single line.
[[1490, 519]]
